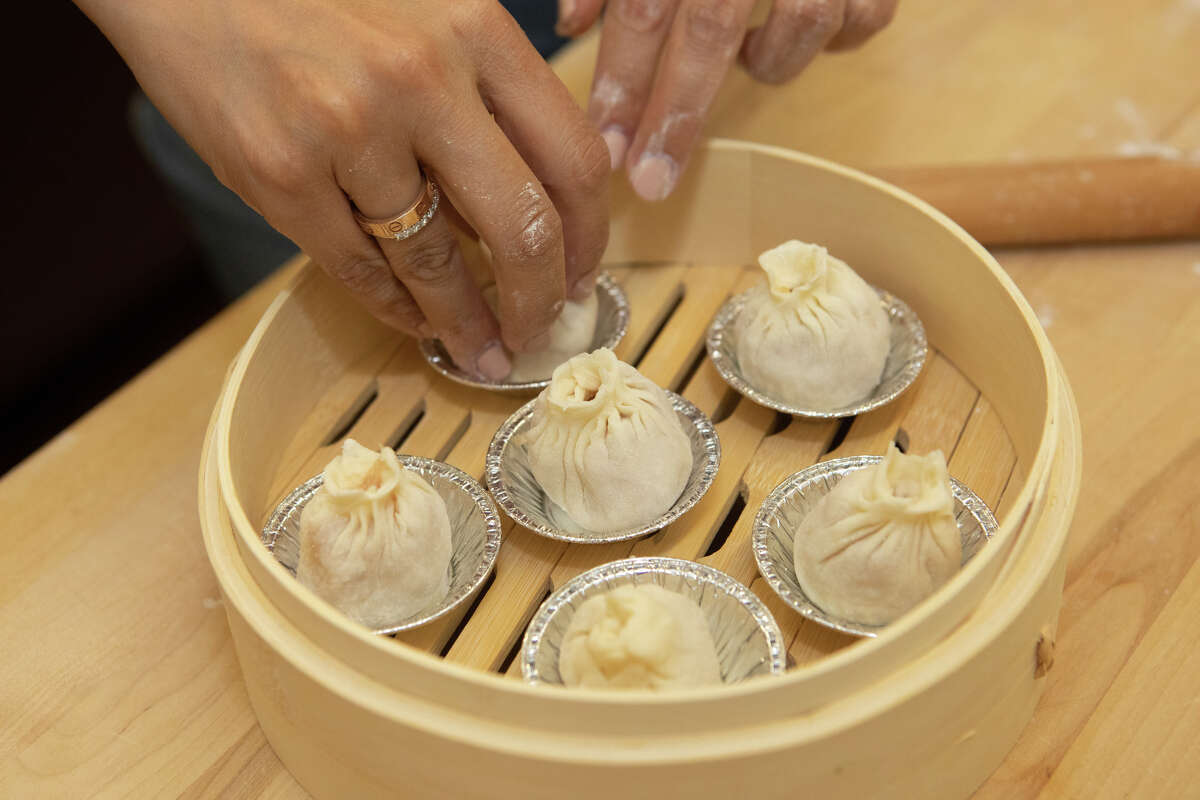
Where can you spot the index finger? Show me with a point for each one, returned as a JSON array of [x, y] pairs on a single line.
[[501, 198], [630, 43], [704, 39], [565, 152]]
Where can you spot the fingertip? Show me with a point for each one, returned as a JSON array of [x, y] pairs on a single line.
[[861, 21], [618, 146], [748, 53], [575, 17], [566, 18], [536, 343], [584, 287], [760, 62], [653, 176], [527, 329], [493, 363]]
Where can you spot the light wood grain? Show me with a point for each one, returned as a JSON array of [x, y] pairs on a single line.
[[118, 677], [1065, 202], [138, 692], [1146, 731], [1134, 536]]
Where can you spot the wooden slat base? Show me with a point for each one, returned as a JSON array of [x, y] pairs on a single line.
[[391, 397]]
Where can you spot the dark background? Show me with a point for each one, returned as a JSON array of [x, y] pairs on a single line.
[[102, 273]]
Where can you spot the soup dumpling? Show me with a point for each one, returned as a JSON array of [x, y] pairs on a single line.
[[375, 538], [638, 637], [605, 444], [881, 541], [814, 335]]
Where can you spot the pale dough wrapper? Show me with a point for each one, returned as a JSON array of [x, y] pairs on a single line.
[[605, 444], [881, 541], [815, 335], [571, 334], [375, 538], [638, 637]]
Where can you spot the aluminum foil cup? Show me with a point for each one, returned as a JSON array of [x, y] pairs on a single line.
[[522, 498], [781, 513], [906, 357], [748, 639], [612, 320], [474, 533]]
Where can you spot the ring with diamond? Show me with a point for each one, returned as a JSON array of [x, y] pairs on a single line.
[[409, 221]]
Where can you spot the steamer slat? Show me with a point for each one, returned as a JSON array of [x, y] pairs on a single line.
[[522, 582], [346, 396], [984, 456], [937, 423], [653, 291]]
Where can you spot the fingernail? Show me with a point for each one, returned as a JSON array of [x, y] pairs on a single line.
[[566, 10], [584, 287], [653, 177], [617, 143], [494, 364]]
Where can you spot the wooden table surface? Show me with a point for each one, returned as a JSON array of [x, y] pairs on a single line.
[[118, 675]]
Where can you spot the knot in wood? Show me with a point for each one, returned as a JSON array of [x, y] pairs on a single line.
[[1044, 652]]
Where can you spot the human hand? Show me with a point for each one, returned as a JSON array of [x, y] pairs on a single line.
[[662, 61], [309, 108]]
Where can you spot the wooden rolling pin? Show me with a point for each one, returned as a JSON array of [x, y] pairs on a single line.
[[1094, 200]]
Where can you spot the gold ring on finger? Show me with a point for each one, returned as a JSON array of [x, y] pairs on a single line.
[[408, 222]]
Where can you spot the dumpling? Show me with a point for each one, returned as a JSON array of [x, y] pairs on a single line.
[[606, 445], [375, 538], [571, 334], [881, 541], [638, 637], [815, 334]]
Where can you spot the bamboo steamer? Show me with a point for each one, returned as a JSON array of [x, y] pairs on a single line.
[[927, 709]]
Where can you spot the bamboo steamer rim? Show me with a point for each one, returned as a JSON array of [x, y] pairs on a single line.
[[895, 638]]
